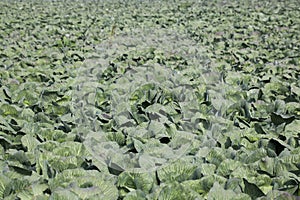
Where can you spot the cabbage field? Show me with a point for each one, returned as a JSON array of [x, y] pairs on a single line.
[[149, 99]]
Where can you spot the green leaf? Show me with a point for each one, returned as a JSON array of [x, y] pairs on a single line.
[[207, 169], [137, 181], [218, 192], [280, 119], [29, 142], [85, 184], [252, 190], [227, 167], [8, 110], [5, 186], [215, 156], [280, 195], [135, 195], [178, 171], [63, 194], [38, 189], [173, 191]]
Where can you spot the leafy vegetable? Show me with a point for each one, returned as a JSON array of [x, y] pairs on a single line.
[[149, 99]]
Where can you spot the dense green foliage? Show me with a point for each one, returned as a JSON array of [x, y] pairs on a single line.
[[149, 99]]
